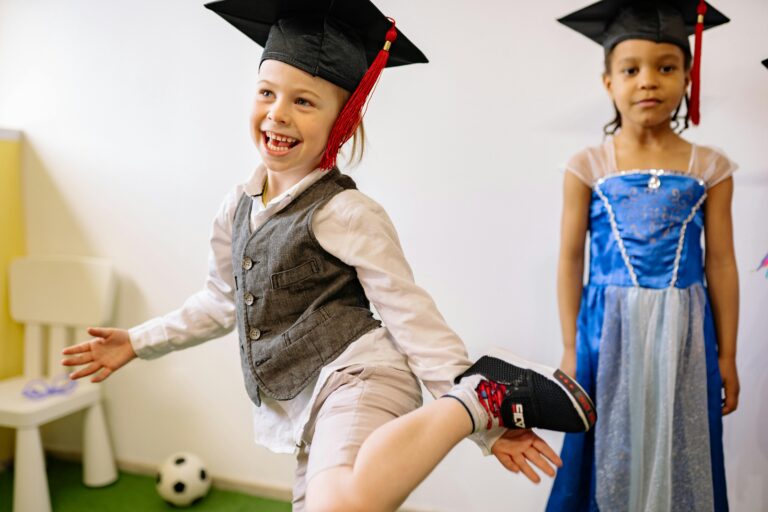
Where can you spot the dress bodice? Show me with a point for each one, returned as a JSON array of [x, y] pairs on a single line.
[[645, 230]]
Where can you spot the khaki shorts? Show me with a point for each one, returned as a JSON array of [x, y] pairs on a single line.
[[353, 403]]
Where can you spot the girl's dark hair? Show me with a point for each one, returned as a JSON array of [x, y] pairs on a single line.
[[679, 122]]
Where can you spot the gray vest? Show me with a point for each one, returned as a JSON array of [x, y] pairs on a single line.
[[298, 306]]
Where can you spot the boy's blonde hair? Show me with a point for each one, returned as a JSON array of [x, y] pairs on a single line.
[[357, 149]]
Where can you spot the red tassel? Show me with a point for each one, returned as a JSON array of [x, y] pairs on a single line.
[[352, 113], [693, 109]]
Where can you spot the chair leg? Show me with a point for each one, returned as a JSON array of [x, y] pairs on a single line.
[[98, 460], [30, 483]]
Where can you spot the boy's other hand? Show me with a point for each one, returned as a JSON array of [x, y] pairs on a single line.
[[516, 448]]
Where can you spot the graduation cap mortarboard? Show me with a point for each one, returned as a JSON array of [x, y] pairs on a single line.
[[347, 42], [765, 63], [610, 22]]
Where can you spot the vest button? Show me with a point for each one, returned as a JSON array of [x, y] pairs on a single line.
[[247, 263], [249, 299], [254, 333]]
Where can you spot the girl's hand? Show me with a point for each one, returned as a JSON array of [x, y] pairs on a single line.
[[730, 384], [516, 448], [568, 363], [108, 351]]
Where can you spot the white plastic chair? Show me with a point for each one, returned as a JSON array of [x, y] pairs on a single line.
[[53, 295]]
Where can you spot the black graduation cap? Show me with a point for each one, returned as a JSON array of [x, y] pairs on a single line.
[[765, 63], [609, 22], [337, 40]]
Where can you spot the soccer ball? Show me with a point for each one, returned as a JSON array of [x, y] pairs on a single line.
[[182, 479]]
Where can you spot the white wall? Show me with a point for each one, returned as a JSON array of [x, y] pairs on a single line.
[[136, 118]]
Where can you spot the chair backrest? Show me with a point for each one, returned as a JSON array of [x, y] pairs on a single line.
[[57, 294]]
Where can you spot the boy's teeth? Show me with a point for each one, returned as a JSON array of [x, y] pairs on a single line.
[[280, 138], [280, 143], [277, 148], [274, 147]]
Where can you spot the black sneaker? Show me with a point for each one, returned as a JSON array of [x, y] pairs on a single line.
[[519, 394]]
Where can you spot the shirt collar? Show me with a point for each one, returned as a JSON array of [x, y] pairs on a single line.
[[255, 184]]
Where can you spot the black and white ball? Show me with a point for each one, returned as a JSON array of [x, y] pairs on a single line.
[[182, 479]]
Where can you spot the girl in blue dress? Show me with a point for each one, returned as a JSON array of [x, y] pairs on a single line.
[[652, 334]]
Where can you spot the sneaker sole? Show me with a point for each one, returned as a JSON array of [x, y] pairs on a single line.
[[579, 398]]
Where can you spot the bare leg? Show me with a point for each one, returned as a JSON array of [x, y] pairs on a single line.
[[392, 461], [399, 454]]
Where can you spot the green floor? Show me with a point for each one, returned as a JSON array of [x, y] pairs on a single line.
[[131, 493]]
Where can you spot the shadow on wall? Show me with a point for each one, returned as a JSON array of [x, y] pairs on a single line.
[[52, 228]]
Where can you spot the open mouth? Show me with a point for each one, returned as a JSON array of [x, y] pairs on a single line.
[[279, 143]]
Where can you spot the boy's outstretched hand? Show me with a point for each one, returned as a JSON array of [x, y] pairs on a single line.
[[109, 350], [516, 448]]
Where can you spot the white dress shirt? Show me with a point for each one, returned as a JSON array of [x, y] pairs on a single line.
[[357, 230]]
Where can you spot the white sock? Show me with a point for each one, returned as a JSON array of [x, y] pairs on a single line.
[[465, 393]]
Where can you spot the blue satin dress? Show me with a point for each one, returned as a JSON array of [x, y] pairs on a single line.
[[646, 351]]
